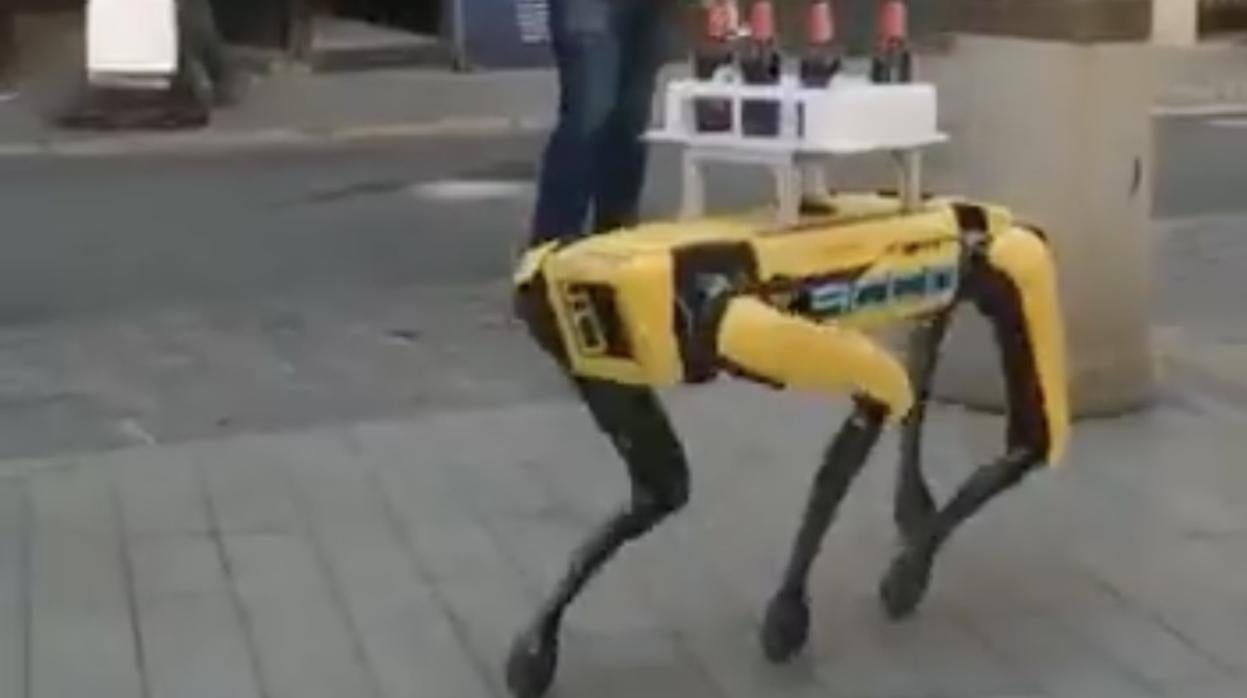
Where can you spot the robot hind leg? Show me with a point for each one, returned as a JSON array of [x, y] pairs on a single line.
[[1012, 281], [634, 420], [913, 503]]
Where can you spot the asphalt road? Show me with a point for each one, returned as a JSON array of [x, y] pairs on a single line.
[[170, 298], [1202, 166]]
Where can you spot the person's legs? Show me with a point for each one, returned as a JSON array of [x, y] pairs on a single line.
[[587, 54], [197, 27], [623, 153], [8, 51]]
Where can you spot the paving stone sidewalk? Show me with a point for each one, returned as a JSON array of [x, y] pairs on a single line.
[[395, 559]]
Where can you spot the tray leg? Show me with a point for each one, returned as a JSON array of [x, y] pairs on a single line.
[[911, 179], [788, 192], [692, 187]]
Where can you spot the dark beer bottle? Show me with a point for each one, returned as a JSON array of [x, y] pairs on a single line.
[[821, 59], [891, 61], [760, 64], [713, 51]]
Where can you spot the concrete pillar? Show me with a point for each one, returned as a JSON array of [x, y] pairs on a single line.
[[1048, 111], [1175, 22]]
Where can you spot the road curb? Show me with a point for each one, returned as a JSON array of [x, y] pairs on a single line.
[[1200, 110], [225, 141], [214, 142]]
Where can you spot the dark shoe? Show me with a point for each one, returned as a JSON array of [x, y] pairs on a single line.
[[228, 91]]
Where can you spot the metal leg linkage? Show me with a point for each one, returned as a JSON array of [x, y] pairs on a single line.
[[786, 625], [692, 187], [911, 179], [638, 427], [925, 529], [913, 503]]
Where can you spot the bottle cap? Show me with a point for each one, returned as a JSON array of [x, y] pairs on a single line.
[[718, 20], [762, 20], [820, 27], [892, 20]]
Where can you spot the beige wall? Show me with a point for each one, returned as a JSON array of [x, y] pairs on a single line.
[[1175, 22]]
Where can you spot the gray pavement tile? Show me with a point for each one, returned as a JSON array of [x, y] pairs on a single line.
[[1055, 658], [194, 640], [176, 564], [195, 646], [1130, 636], [14, 586], [713, 625], [407, 637], [82, 634], [1182, 468], [1211, 625], [539, 542], [936, 652], [247, 493], [1030, 579], [620, 665], [456, 557], [159, 489], [948, 659], [1213, 687], [305, 647]]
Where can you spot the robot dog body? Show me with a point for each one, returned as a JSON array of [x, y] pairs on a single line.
[[682, 302]]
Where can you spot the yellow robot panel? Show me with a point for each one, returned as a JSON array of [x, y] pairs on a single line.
[[615, 313], [869, 270], [779, 347], [1022, 256]]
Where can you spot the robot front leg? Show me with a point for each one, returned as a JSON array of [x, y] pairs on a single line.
[[786, 625], [633, 418], [1013, 284], [913, 504], [760, 342]]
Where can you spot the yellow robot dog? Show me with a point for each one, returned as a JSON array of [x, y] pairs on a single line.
[[668, 303]]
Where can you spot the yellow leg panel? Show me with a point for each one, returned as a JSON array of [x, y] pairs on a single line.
[[1022, 256], [802, 354]]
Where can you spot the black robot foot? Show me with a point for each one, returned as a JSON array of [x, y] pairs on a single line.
[[786, 626], [905, 583], [531, 664]]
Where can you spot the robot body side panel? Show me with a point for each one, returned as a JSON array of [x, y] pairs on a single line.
[[616, 316], [820, 246], [869, 272]]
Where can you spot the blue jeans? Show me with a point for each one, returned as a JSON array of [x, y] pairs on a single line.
[[608, 53]]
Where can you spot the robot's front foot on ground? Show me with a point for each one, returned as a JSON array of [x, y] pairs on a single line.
[[786, 627], [906, 582], [532, 663]]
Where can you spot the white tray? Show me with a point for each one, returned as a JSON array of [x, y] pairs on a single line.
[[131, 39], [851, 115]]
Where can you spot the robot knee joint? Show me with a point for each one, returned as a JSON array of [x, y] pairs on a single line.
[[654, 505], [1020, 462], [665, 489]]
